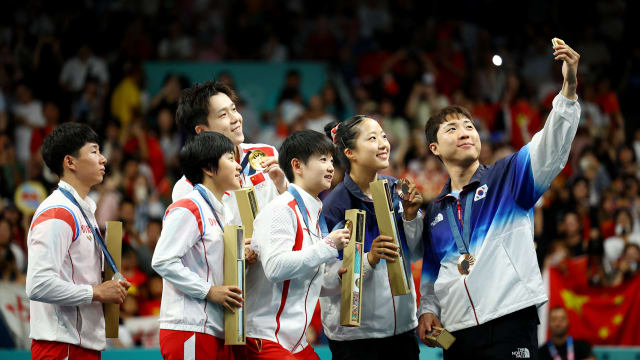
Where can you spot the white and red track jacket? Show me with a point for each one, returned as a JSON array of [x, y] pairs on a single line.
[[65, 261], [189, 257], [265, 188], [284, 286]]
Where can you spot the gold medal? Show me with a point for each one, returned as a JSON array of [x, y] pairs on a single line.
[[255, 159], [465, 262], [402, 188]]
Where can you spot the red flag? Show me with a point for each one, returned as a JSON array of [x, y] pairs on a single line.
[[602, 316]]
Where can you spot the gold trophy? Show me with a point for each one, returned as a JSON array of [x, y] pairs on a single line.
[[353, 256], [234, 266], [248, 206], [399, 277], [441, 337], [114, 246]]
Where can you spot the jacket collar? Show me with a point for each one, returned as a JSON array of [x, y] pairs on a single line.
[[313, 205], [354, 189], [473, 183], [87, 204]]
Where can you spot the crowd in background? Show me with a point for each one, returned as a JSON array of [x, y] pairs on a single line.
[[400, 62]]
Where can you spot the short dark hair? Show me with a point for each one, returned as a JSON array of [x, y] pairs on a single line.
[[193, 105], [203, 151], [556, 308], [434, 122], [66, 139], [346, 136], [302, 145]]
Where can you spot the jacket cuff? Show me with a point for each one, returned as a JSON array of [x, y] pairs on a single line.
[[87, 296], [429, 304], [330, 247]]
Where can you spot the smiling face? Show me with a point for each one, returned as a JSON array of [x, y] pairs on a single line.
[[458, 141], [316, 174], [89, 164], [372, 147], [227, 177], [224, 118]]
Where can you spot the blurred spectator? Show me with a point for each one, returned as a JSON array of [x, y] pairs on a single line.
[[315, 118], [132, 272], [143, 143], [76, 70], [332, 102], [28, 115], [168, 97], [176, 46], [47, 62], [12, 257], [322, 44], [537, 65], [614, 246], [150, 306], [291, 89], [449, 62], [373, 16], [628, 265], [51, 114], [10, 170], [424, 101], [592, 117], [126, 101], [561, 345], [89, 107], [572, 231], [521, 117], [274, 51], [397, 131], [137, 44], [169, 138]]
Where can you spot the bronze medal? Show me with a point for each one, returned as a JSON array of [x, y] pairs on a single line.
[[255, 159], [465, 262], [349, 225], [402, 188]]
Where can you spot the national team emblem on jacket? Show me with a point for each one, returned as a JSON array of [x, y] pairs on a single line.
[[481, 192], [437, 219], [257, 179]]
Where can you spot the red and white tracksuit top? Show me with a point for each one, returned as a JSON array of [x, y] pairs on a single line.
[[189, 257], [283, 287], [265, 188], [65, 261]]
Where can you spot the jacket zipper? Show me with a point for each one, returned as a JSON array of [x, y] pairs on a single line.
[[393, 303], [304, 330], [464, 279]]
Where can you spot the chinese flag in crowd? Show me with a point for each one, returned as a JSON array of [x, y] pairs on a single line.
[[602, 316]]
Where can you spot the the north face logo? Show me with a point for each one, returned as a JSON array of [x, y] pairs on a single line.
[[481, 192], [521, 353]]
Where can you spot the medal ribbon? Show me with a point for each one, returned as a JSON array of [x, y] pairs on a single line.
[[94, 231], [462, 240], [203, 193], [322, 222], [571, 355], [246, 167]]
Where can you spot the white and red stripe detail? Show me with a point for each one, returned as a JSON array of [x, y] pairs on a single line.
[[189, 205], [285, 287], [59, 213]]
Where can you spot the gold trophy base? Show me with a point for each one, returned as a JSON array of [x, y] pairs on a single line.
[[441, 337]]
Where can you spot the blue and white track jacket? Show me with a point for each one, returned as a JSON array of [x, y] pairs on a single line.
[[505, 277]]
